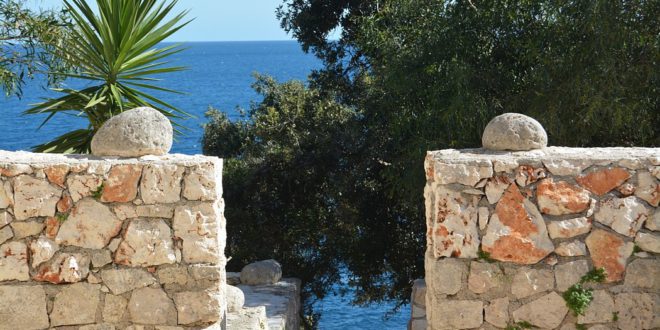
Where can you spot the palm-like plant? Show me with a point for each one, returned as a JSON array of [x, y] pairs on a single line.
[[116, 50]]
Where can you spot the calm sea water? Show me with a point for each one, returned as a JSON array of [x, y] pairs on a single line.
[[219, 75]]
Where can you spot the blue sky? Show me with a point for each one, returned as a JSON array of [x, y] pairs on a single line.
[[219, 20]]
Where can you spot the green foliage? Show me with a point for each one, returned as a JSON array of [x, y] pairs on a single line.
[[520, 326], [615, 316], [96, 194], [483, 255], [116, 53], [61, 217], [636, 249], [28, 43], [578, 297]]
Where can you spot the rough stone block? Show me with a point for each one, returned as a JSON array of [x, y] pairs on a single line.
[[458, 314], [634, 310], [546, 312], [199, 184], [151, 306], [485, 277], [497, 312], [609, 252], [161, 184], [529, 281], [455, 232], [625, 215], [14, 262], [570, 273], [23, 307], [64, 268], [76, 304], [122, 183], [599, 310], [146, 243], [34, 198], [126, 279], [644, 274], [198, 227], [90, 225], [559, 198], [197, 307]]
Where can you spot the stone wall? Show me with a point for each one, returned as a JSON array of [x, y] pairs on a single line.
[[108, 243], [509, 232]]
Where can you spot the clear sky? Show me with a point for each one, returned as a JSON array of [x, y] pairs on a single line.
[[219, 20]]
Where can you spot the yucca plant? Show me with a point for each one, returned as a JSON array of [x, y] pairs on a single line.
[[116, 51]]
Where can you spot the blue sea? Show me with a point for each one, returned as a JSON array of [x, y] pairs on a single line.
[[219, 75]]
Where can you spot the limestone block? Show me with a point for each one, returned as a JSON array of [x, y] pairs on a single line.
[[12, 170], [134, 133], [174, 275], [495, 187], [465, 174], [155, 211], [570, 273], [610, 252], [261, 272], [653, 223], [100, 258], [235, 298], [90, 225], [249, 318], [517, 232], [146, 243], [125, 211], [485, 277], [84, 185], [603, 180], [634, 310], [151, 306], [114, 308], [23, 307], [64, 268], [643, 274], [6, 234], [529, 281], [6, 195], [648, 242], [455, 232], [65, 203], [546, 312], [458, 314], [571, 249], [526, 175], [599, 310], [625, 215], [569, 228], [42, 249], [444, 276], [24, 229], [648, 188], [122, 280], [484, 215], [514, 131], [161, 184], [5, 218], [559, 198], [70, 309], [197, 307], [56, 174], [566, 167], [197, 225], [14, 262], [497, 312], [200, 183], [122, 183], [34, 198]]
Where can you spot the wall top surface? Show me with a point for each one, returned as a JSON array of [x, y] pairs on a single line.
[[464, 156], [24, 157]]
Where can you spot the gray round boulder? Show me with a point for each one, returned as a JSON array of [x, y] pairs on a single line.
[[514, 131], [261, 273], [134, 133], [235, 298]]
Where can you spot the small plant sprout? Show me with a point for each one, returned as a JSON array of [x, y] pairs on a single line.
[[61, 217], [578, 297], [98, 192]]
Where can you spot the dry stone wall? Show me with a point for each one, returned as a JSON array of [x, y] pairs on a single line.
[[509, 232], [111, 243]]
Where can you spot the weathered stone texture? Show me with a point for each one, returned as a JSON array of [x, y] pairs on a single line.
[[84, 185], [458, 314], [634, 310], [514, 131], [648, 242], [127, 279], [569, 228], [497, 312], [648, 188], [64, 268], [604, 180], [151, 306], [599, 310], [161, 184], [643, 274], [76, 304], [559, 198], [444, 276], [199, 184], [121, 184], [198, 227], [625, 215], [6, 195], [146, 243], [570, 273], [485, 277], [546, 312], [5, 218], [465, 174], [56, 174], [235, 298], [14, 262], [529, 281], [90, 225], [5, 234], [34, 198], [23, 229], [571, 249], [197, 307], [114, 308], [23, 307], [610, 252], [517, 232]]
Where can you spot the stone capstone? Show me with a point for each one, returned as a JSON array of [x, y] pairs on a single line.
[[529, 281], [90, 225], [559, 198], [546, 312], [161, 184], [465, 174], [514, 131], [70, 309], [14, 262], [517, 232], [152, 306], [197, 226], [146, 243], [625, 215], [34, 198], [64, 268], [126, 279], [197, 307], [261, 272], [121, 184], [609, 252], [134, 133], [23, 307]]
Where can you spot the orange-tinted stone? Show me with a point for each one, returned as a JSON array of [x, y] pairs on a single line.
[[57, 174], [602, 181], [513, 249], [512, 213], [558, 198], [609, 251], [527, 174], [52, 227], [122, 183], [429, 168], [64, 204]]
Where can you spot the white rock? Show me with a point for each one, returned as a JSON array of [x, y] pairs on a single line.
[[261, 272], [235, 298], [648, 188], [5, 234], [42, 249], [146, 243], [126, 279], [648, 242], [496, 187], [465, 174], [81, 186], [571, 249], [34, 198], [134, 133], [198, 226], [514, 131], [625, 215], [90, 225], [64, 268], [546, 312], [161, 184], [75, 304], [200, 183], [23, 307], [14, 262], [569, 228], [152, 306]]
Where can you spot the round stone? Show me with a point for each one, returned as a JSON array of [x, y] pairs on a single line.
[[514, 131], [261, 273], [235, 298], [134, 133]]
